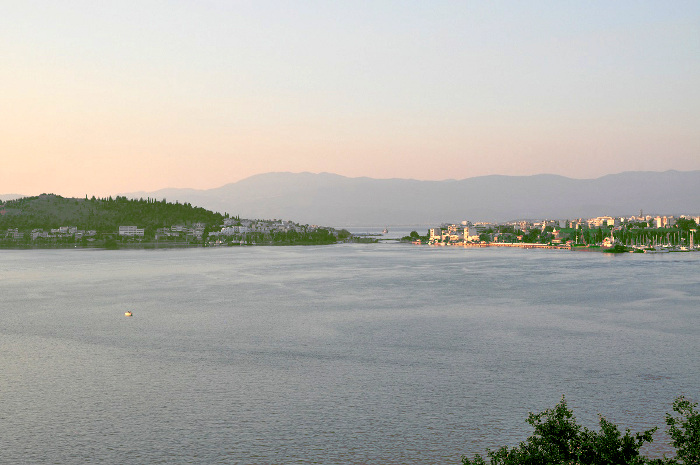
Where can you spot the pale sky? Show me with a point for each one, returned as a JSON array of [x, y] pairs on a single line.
[[99, 98]]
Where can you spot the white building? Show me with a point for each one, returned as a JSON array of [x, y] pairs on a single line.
[[14, 233], [664, 221], [130, 231], [39, 233], [470, 233], [233, 230]]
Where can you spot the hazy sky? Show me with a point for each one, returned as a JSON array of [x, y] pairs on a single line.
[[107, 97]]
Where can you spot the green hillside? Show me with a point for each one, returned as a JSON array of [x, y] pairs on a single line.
[[50, 220], [49, 211]]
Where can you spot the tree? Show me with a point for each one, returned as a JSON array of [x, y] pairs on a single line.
[[685, 431], [686, 224], [111, 243], [558, 439], [532, 235]]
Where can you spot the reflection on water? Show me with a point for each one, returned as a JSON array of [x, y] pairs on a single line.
[[384, 353]]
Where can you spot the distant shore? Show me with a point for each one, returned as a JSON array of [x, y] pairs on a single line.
[[574, 248]]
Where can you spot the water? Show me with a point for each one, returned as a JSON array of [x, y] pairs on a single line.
[[393, 232], [379, 353]]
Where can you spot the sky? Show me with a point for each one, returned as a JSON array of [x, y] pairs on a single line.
[[101, 98]]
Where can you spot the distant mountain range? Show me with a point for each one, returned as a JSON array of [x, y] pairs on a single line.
[[331, 199]]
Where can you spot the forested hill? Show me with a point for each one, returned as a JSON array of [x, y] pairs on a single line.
[[48, 211]]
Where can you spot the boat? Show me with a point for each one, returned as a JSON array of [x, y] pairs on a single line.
[[127, 313], [386, 230]]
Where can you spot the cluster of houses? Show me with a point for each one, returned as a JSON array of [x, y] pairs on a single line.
[[467, 232], [71, 232], [611, 222], [235, 227], [241, 230], [62, 232], [231, 227], [195, 232]]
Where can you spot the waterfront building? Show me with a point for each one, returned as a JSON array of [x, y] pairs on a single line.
[[131, 231], [470, 233]]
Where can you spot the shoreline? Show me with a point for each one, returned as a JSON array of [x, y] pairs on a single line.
[[524, 245]]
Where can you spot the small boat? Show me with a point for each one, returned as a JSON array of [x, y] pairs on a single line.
[[386, 230], [127, 313]]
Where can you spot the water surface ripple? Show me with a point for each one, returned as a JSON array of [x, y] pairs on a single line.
[[379, 353]]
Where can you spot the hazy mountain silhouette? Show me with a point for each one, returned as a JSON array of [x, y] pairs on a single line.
[[335, 200]]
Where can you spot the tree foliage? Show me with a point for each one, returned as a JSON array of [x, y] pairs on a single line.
[[684, 429], [49, 211], [414, 236], [558, 440], [686, 224]]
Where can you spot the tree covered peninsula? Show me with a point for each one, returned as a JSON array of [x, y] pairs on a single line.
[[50, 220]]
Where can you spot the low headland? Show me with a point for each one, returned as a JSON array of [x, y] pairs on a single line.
[[52, 221]]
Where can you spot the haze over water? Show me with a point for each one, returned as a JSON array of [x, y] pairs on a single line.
[[381, 353]]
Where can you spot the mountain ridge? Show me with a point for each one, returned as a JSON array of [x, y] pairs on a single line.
[[328, 198], [333, 199]]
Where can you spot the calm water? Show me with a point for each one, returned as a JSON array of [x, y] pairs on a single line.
[[381, 353]]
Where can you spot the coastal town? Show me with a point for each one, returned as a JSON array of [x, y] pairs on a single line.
[[642, 233], [49, 220], [120, 222], [232, 232]]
